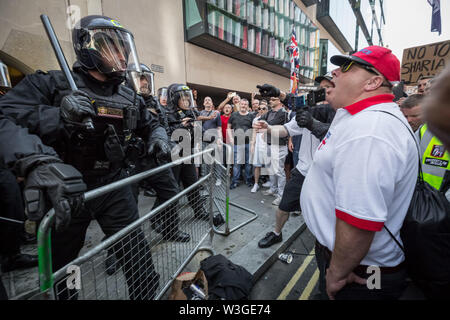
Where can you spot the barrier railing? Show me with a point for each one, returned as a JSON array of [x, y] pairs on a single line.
[[221, 194], [141, 260]]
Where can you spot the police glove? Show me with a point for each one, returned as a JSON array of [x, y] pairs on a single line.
[[268, 90], [159, 149], [304, 119], [53, 184], [76, 106]]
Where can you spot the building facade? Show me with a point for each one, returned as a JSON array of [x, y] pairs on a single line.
[[215, 46]]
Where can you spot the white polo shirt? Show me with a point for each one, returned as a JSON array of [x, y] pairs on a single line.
[[308, 145], [364, 172]]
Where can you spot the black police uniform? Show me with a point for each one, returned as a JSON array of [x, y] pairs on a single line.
[[165, 185], [186, 173], [32, 106]]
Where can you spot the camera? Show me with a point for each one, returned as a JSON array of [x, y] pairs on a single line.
[[312, 98], [316, 96]]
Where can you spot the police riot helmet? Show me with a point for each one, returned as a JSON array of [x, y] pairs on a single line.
[[142, 82], [180, 97], [103, 44]]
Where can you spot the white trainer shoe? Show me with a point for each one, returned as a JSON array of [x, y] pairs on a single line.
[[255, 188], [277, 201], [269, 193], [267, 184]]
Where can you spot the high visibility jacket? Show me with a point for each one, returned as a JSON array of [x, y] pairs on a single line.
[[435, 159]]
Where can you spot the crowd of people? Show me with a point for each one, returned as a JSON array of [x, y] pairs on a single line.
[[345, 163]]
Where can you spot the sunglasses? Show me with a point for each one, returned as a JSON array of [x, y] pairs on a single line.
[[348, 64], [262, 109]]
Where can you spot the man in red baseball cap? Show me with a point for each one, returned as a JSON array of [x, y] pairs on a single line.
[[361, 180]]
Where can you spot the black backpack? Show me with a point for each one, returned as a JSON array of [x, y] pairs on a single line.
[[226, 280], [425, 235]]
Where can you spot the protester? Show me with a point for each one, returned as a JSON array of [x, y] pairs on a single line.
[[239, 128], [235, 99], [422, 83], [311, 125], [258, 150], [365, 171], [412, 110], [255, 105], [211, 126], [277, 149]]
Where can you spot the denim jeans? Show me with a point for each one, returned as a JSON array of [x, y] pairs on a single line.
[[239, 152]]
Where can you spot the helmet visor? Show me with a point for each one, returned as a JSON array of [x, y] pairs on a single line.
[[112, 50], [5, 81], [185, 99], [142, 82], [163, 96]]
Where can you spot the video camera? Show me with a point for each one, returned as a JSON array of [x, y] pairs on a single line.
[[312, 98]]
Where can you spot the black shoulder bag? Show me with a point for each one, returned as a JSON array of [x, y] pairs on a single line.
[[425, 234]]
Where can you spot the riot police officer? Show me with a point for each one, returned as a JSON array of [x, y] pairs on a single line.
[[44, 138], [181, 115], [163, 183]]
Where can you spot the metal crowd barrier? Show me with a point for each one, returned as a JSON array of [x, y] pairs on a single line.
[[140, 261], [221, 194]]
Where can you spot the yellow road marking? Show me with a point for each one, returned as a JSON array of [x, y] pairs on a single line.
[[296, 276], [310, 286]]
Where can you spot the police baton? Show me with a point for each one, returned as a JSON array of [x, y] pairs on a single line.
[[63, 62]]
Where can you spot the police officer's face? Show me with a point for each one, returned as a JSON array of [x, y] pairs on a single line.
[[184, 103], [144, 88], [163, 100], [113, 58]]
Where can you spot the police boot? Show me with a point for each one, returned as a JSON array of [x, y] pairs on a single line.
[[218, 220], [111, 263], [177, 236], [19, 261], [201, 214]]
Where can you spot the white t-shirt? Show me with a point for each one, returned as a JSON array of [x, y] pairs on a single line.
[[308, 145], [364, 173]]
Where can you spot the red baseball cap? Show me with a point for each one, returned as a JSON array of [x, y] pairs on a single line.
[[380, 58]]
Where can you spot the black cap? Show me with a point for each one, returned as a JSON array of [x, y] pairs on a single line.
[[326, 76]]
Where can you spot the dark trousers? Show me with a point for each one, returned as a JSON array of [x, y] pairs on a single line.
[[166, 187], [391, 288], [187, 175], [3, 294], [11, 206], [113, 211]]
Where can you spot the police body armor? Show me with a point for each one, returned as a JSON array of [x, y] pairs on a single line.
[[112, 145]]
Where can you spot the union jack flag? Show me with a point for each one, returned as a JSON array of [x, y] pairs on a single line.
[[295, 62]]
